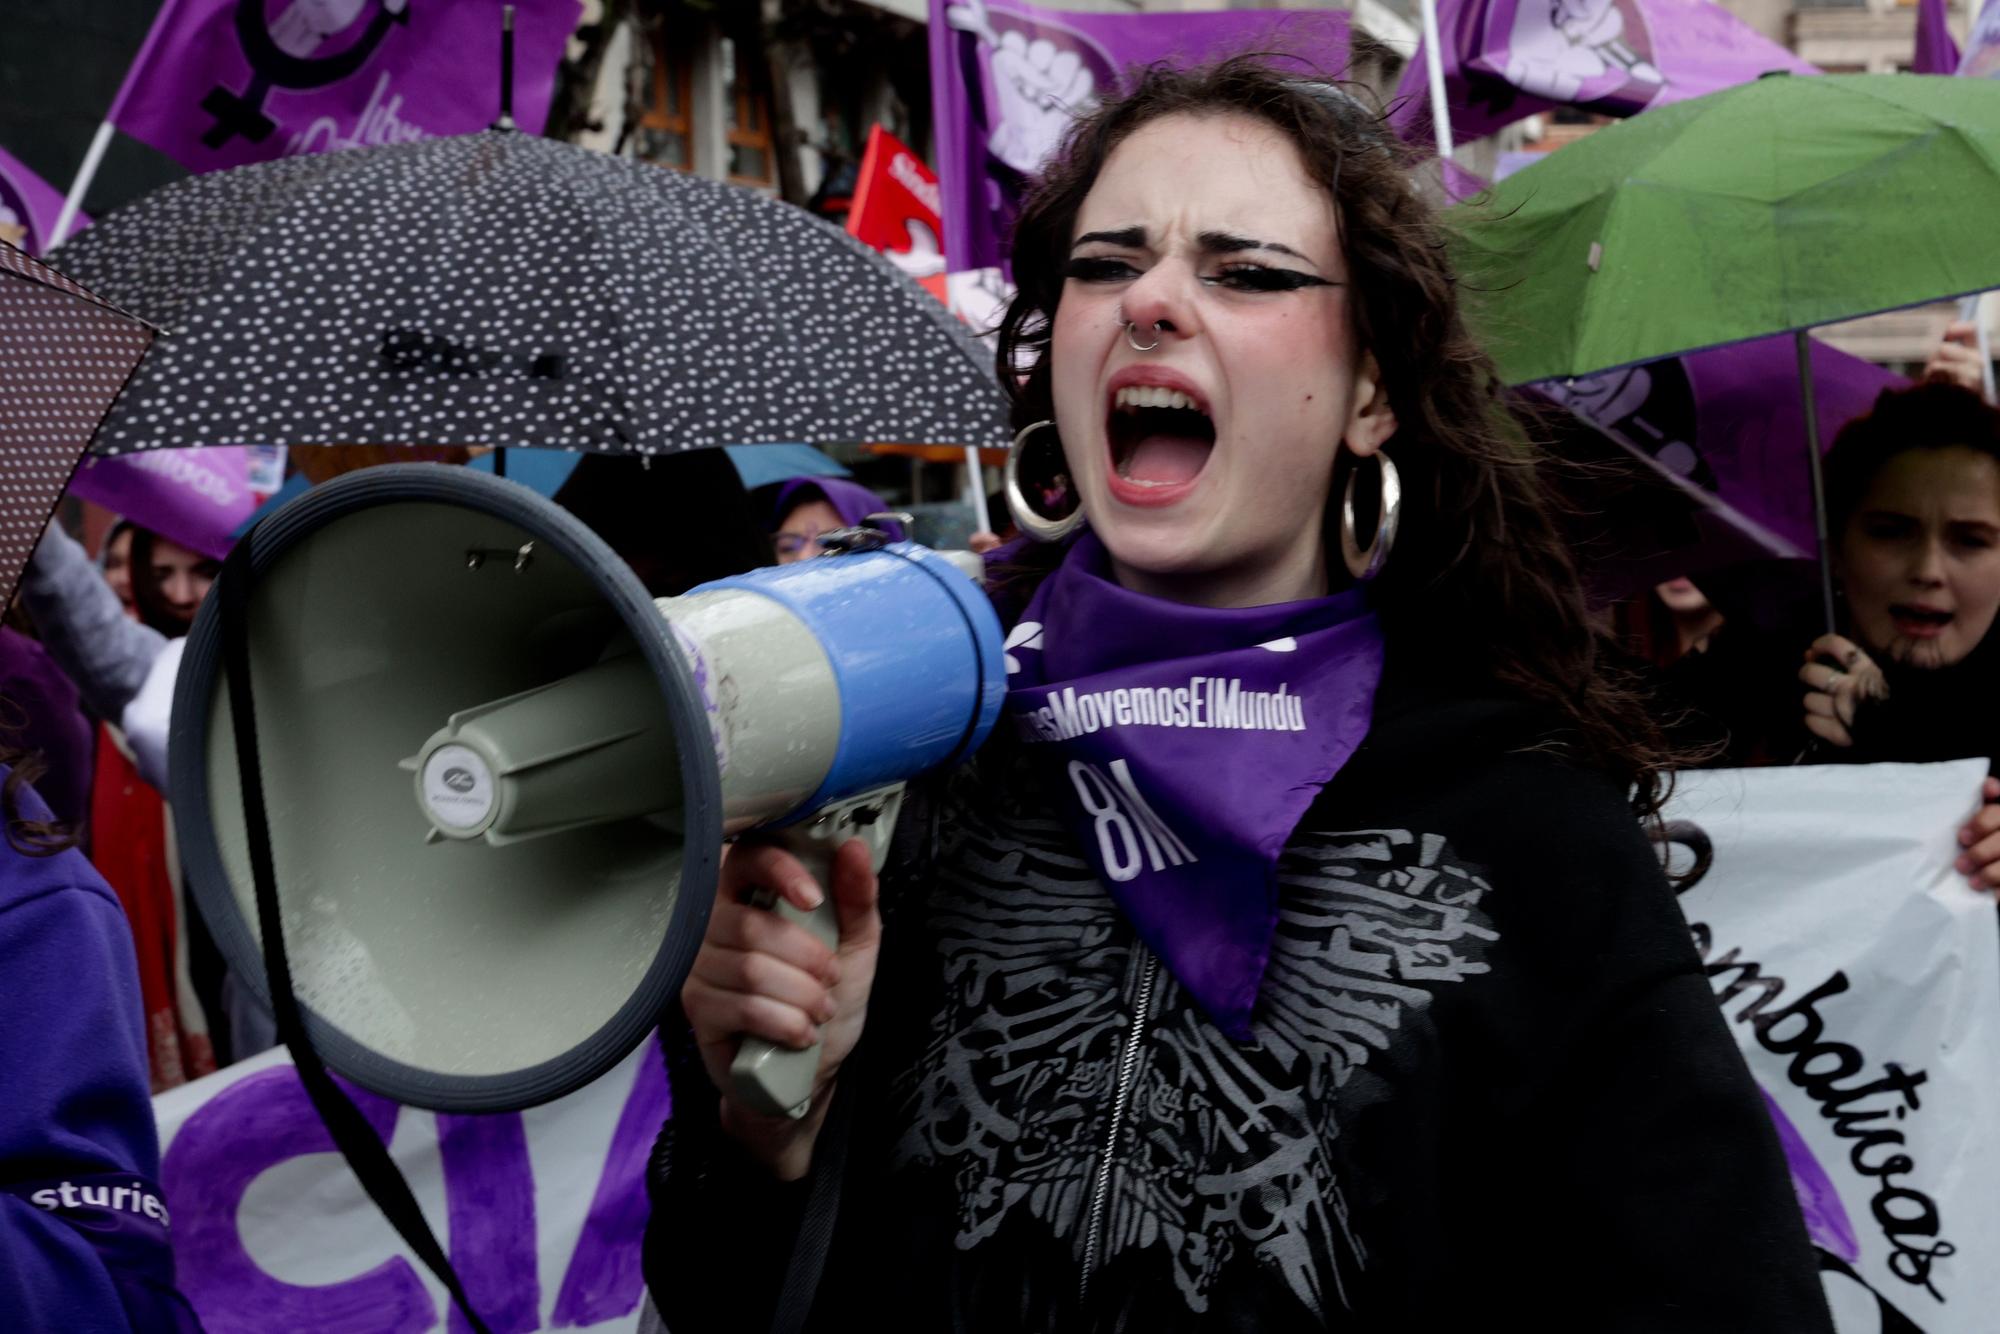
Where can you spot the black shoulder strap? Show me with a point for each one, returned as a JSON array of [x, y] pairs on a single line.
[[815, 1235], [352, 1135], [912, 855]]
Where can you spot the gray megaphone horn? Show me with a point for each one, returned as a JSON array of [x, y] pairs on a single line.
[[498, 774]]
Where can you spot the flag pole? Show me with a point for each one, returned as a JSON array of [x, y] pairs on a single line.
[[73, 201], [1434, 66]]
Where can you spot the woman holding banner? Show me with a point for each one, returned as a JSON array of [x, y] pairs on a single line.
[[1913, 502], [1295, 960]]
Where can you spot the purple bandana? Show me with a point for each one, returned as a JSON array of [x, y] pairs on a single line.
[[1189, 742]]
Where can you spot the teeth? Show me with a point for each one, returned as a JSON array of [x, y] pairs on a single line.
[[1153, 396]]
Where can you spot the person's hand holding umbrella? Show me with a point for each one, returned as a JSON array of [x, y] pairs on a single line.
[[1840, 678], [1957, 357]]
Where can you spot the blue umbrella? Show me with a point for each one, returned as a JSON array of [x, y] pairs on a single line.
[[545, 470], [761, 465]]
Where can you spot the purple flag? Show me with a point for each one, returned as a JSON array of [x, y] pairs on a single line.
[[1008, 78], [1982, 46], [28, 207], [196, 497], [1730, 421], [220, 83], [1505, 60], [1936, 52]]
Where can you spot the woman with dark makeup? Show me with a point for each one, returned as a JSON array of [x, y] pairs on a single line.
[[1292, 957]]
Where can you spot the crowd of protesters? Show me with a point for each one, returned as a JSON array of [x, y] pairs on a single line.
[[128, 997]]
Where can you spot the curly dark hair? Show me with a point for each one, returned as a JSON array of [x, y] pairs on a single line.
[[1480, 578], [1933, 415]]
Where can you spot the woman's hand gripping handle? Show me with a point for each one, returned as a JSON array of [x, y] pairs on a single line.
[[779, 992]]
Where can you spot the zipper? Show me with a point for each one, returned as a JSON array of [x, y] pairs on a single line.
[[1128, 1066]]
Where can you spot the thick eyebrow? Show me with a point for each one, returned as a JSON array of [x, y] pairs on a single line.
[[1228, 243], [1133, 237], [1213, 243]]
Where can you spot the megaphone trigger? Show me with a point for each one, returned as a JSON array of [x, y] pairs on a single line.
[[780, 1081]]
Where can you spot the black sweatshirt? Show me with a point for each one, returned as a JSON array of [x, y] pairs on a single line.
[[1489, 1087]]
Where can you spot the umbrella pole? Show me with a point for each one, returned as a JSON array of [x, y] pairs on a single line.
[[1810, 402], [975, 490], [506, 121]]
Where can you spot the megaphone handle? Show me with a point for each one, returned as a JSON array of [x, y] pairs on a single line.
[[768, 1078]]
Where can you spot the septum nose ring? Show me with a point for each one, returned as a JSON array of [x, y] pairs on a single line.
[[1132, 331]]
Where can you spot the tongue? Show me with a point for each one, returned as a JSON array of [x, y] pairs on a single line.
[[1166, 459]]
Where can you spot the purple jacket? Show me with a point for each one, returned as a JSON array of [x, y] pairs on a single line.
[[83, 1241]]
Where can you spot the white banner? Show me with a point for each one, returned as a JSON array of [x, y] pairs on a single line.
[[541, 1211], [1861, 976]]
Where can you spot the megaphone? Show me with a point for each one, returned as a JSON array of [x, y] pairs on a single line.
[[499, 774]]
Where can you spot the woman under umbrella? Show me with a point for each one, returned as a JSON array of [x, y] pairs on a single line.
[[1295, 960], [1913, 500], [808, 508]]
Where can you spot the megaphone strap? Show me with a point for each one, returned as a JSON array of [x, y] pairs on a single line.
[[822, 1208], [357, 1141]]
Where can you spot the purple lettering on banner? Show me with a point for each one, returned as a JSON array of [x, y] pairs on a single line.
[[605, 1280], [489, 1185], [1826, 1217], [249, 1128]]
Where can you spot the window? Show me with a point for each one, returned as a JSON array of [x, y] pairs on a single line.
[[665, 133], [751, 157]]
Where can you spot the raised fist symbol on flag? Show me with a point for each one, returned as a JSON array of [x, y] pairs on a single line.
[[1565, 49], [1038, 86]]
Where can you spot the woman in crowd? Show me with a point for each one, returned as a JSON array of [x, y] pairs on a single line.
[[112, 656], [169, 581], [1322, 977], [1913, 500], [808, 508]]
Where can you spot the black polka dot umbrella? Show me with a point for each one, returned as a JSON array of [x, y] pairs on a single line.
[[64, 355], [500, 289]]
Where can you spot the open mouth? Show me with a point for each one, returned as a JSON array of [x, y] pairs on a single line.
[[1160, 437], [1919, 622]]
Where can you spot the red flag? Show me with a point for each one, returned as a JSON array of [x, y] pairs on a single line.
[[898, 210]]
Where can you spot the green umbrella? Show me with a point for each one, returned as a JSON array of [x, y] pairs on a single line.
[[1769, 207]]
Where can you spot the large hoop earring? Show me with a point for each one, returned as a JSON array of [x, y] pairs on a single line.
[[1027, 518], [1365, 563]]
